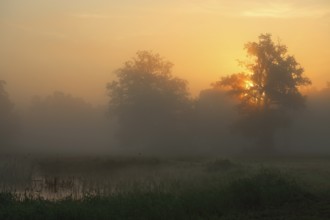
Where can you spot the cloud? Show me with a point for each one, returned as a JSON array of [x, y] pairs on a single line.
[[264, 8], [270, 11], [284, 11]]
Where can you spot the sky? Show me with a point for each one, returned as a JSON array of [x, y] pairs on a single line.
[[75, 46]]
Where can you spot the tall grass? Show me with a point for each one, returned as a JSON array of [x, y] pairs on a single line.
[[149, 188], [249, 197]]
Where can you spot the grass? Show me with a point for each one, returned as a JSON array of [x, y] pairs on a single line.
[[196, 189]]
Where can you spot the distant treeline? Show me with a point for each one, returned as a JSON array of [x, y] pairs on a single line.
[[61, 123], [150, 111]]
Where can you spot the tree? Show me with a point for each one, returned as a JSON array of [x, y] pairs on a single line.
[[61, 104], [7, 124], [61, 122], [148, 102], [268, 92]]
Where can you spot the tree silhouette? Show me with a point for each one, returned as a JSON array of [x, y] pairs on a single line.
[[268, 91], [62, 104], [61, 122], [148, 102], [7, 120]]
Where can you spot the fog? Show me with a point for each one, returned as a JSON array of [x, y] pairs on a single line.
[[167, 109], [71, 83], [158, 123], [310, 132]]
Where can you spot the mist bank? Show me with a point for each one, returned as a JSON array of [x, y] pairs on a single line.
[[61, 124]]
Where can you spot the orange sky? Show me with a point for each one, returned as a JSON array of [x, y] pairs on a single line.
[[75, 45]]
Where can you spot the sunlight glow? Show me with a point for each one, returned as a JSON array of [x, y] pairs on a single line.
[[248, 84]]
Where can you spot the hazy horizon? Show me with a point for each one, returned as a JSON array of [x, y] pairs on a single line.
[[75, 46]]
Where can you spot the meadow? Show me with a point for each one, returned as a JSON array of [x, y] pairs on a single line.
[[120, 187]]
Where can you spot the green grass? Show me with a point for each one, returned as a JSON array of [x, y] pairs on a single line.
[[165, 188], [266, 194]]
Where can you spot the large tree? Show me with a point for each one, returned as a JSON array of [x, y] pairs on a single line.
[[7, 119], [267, 92], [148, 102]]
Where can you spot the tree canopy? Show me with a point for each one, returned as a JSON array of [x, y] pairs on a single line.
[[6, 116], [61, 122], [60, 104], [147, 100], [5, 103], [268, 89]]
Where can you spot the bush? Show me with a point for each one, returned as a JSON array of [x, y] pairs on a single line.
[[268, 188]]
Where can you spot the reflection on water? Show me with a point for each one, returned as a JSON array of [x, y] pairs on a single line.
[[61, 187], [75, 178], [55, 187]]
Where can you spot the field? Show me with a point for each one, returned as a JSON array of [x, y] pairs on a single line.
[[164, 188]]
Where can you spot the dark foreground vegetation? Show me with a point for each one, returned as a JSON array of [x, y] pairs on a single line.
[[212, 189]]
